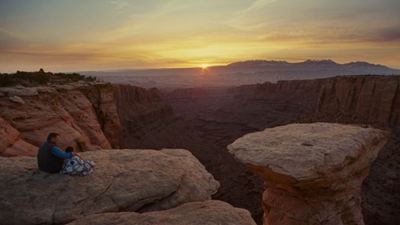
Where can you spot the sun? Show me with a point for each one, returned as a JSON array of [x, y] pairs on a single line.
[[204, 66]]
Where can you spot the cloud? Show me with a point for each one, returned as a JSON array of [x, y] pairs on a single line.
[[257, 5], [10, 40], [387, 35]]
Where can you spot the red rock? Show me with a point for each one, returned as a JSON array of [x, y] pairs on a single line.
[[313, 172]]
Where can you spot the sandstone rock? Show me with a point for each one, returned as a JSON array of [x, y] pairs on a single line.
[[68, 113], [104, 104], [11, 144], [372, 100], [17, 99], [81, 110], [65, 87], [143, 113], [124, 180], [313, 171], [45, 89], [196, 213], [19, 91]]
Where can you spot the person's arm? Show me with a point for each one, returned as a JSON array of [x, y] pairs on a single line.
[[60, 153]]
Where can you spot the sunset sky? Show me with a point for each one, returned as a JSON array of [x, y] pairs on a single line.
[[75, 35]]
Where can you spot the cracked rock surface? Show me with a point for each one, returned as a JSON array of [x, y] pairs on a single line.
[[313, 172], [124, 180], [195, 213]]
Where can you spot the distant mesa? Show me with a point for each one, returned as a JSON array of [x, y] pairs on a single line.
[[241, 73], [309, 62]]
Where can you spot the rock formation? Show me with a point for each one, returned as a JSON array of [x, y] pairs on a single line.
[[104, 104], [64, 109], [143, 114], [11, 143], [89, 116], [313, 172], [196, 213], [222, 116], [124, 180], [361, 99]]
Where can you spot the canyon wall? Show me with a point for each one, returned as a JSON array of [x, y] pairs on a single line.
[[373, 100], [368, 100], [92, 116], [34, 112], [223, 115], [88, 116], [97, 115]]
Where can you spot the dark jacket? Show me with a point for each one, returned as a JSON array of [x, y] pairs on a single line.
[[50, 158]]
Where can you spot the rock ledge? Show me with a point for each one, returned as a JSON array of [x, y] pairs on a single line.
[[124, 180], [313, 171]]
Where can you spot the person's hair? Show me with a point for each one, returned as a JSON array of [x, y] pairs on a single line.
[[51, 136], [69, 149]]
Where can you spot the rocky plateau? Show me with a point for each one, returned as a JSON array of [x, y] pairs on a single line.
[[93, 116]]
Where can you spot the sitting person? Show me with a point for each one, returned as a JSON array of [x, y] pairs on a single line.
[[50, 158], [76, 165]]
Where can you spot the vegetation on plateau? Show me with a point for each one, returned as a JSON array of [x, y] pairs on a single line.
[[40, 78]]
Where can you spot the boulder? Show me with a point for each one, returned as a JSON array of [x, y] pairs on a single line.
[[196, 213], [124, 180], [313, 172]]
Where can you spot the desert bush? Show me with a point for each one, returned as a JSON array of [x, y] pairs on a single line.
[[40, 78]]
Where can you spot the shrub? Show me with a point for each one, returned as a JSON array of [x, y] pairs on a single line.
[[40, 78]]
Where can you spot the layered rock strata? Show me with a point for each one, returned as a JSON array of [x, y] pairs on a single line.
[[195, 213], [64, 109], [313, 172]]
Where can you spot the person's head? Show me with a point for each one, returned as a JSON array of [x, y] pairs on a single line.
[[52, 138], [69, 149]]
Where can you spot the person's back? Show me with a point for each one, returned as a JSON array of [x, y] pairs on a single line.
[[47, 162], [50, 158]]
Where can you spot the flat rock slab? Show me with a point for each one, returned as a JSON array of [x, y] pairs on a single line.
[[307, 151], [124, 180], [197, 213]]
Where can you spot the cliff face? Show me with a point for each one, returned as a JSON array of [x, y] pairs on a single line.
[[89, 116], [225, 115], [64, 109], [104, 104], [145, 118], [359, 99], [371, 100]]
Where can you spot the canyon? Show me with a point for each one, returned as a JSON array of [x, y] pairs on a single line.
[[223, 115], [96, 115]]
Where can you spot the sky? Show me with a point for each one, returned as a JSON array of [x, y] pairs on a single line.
[[77, 35]]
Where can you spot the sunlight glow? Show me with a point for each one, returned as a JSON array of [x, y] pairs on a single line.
[[154, 34], [204, 66]]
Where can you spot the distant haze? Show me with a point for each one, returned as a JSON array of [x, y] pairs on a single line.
[[77, 35], [240, 73]]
